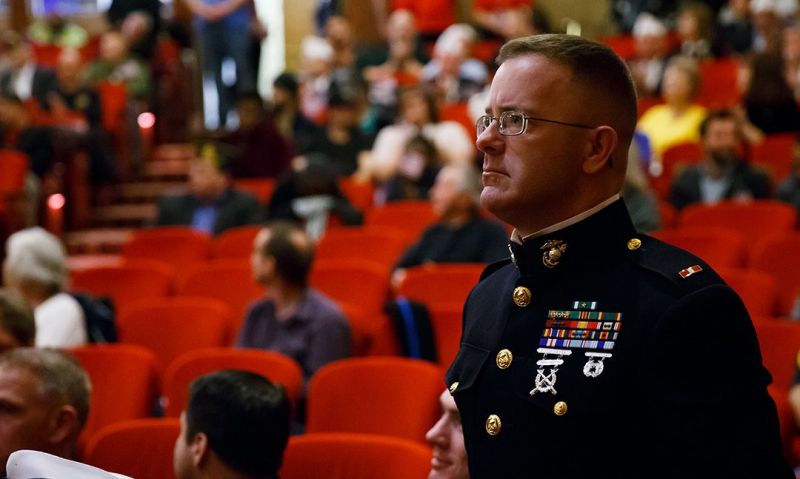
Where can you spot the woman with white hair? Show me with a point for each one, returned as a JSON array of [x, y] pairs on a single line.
[[35, 267]]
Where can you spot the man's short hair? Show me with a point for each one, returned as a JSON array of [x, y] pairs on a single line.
[[35, 256], [16, 317], [61, 378], [719, 115], [245, 417], [594, 66], [292, 261]]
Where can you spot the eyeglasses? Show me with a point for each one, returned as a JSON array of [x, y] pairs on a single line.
[[513, 123]]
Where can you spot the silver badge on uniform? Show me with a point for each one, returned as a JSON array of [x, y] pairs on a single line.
[[594, 366], [545, 381]]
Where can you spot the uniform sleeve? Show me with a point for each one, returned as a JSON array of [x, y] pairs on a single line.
[[707, 412]]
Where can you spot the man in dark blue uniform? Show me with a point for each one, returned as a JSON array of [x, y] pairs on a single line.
[[595, 351]]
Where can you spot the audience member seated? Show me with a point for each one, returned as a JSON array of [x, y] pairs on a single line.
[[695, 30], [768, 99], [639, 199], [791, 59], [339, 35], [652, 53], [417, 115], [768, 26], [263, 150], [735, 28], [446, 438], [76, 109], [24, 79], [418, 170], [18, 131], [17, 326], [452, 76], [212, 205], [286, 112], [625, 12], [461, 235], [316, 74], [140, 23], [310, 195], [723, 174], [340, 141], [236, 425], [294, 319], [789, 189], [44, 402], [35, 267], [676, 121], [116, 64], [397, 65]]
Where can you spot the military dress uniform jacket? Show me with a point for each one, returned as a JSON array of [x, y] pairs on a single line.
[[597, 352]]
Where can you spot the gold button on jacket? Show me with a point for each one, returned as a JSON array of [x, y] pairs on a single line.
[[560, 408], [493, 425], [634, 244], [504, 358], [521, 296]]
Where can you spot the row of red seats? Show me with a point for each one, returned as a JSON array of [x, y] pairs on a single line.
[[393, 397]]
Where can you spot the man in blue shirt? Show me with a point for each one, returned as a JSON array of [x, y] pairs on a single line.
[[211, 205]]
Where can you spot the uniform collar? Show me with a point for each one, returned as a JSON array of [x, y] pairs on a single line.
[[517, 238], [601, 234]]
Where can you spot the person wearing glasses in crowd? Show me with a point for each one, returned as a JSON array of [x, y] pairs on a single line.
[[596, 351]]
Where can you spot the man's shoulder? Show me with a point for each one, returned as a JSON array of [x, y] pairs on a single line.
[[678, 267]]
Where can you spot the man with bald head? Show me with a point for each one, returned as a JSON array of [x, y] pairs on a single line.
[[596, 351]]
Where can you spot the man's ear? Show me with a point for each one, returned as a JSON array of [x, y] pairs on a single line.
[[64, 425], [198, 449], [600, 149]]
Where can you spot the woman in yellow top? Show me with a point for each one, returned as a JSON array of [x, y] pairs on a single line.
[[678, 120]]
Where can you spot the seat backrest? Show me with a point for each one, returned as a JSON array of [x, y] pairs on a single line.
[[235, 243], [127, 283], [382, 245], [140, 448], [718, 85], [440, 283], [14, 165], [717, 246], [779, 256], [171, 327], [758, 290], [446, 323], [228, 280], [360, 282], [775, 154], [780, 343], [175, 245], [261, 188], [114, 100], [124, 384], [758, 215], [375, 395], [361, 194], [354, 456], [411, 216], [179, 375]]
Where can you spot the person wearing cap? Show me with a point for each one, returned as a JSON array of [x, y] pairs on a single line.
[[212, 204], [286, 111], [652, 52], [340, 141]]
